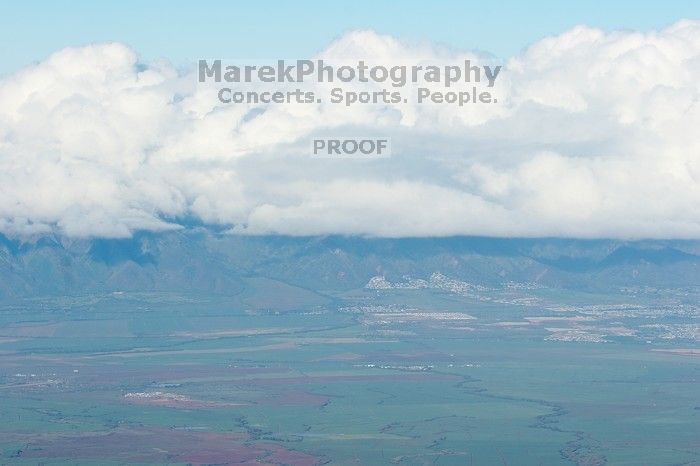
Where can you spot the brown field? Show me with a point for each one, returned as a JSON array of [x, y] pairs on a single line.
[[683, 351], [165, 446]]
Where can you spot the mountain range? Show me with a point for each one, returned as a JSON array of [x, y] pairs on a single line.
[[203, 260]]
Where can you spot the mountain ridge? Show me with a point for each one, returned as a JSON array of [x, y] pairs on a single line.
[[200, 260]]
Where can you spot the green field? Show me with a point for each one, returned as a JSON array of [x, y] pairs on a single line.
[[281, 375]]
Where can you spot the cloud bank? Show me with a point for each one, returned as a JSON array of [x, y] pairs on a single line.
[[595, 135]]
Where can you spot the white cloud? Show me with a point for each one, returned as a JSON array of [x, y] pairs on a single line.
[[595, 135]]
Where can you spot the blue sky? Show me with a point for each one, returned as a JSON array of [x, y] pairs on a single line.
[[185, 31]]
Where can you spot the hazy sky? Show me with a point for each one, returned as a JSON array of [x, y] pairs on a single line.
[[184, 31]]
